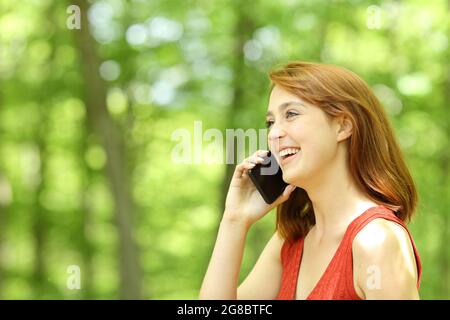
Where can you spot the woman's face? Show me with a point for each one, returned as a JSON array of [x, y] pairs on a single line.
[[305, 128]]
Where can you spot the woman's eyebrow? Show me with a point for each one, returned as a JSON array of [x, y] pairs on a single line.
[[284, 105]]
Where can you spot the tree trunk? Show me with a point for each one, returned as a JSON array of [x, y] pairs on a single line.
[[116, 169], [4, 183], [39, 218], [445, 167], [243, 31], [4, 202], [86, 247]]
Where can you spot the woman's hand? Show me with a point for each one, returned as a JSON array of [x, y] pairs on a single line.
[[244, 203]]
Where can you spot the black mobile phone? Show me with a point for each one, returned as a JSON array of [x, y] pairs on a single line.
[[268, 178]]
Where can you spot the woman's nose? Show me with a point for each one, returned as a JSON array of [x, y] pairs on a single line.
[[275, 133]]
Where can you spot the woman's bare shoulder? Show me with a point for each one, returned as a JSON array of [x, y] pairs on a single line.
[[384, 257], [381, 234]]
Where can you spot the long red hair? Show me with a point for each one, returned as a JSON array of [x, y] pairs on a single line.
[[375, 158]]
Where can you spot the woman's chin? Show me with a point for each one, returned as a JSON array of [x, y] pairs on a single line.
[[292, 177]]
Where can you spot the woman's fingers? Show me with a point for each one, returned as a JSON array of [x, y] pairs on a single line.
[[254, 159], [288, 190], [285, 195], [249, 163], [257, 157], [262, 153], [242, 168]]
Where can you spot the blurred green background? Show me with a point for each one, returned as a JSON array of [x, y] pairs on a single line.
[[87, 117]]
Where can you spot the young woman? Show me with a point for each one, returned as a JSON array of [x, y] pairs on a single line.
[[341, 230]]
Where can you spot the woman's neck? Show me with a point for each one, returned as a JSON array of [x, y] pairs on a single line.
[[336, 201]]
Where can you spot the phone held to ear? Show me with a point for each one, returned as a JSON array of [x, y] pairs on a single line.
[[268, 178]]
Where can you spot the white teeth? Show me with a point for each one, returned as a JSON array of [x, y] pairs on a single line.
[[287, 151]]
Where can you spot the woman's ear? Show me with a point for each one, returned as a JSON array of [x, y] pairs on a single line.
[[345, 128]]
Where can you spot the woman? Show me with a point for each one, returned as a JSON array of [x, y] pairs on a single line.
[[341, 230]]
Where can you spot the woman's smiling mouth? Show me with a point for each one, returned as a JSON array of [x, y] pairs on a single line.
[[287, 154]]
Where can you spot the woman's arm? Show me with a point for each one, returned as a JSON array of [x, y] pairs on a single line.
[[264, 280], [221, 279], [384, 262], [243, 207]]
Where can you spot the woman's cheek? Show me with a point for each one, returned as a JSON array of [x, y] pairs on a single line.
[[315, 156]]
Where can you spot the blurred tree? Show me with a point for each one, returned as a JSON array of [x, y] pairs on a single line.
[[445, 165], [40, 222], [243, 30], [113, 143], [4, 186]]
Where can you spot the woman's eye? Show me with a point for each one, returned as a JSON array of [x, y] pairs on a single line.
[[269, 123], [290, 114]]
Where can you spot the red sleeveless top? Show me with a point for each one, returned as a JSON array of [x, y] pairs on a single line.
[[337, 281]]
